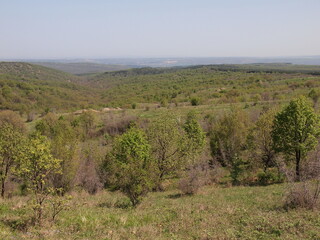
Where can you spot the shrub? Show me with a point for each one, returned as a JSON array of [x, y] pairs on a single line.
[[269, 176], [237, 169], [35, 167], [303, 195], [87, 176], [169, 147], [132, 165], [115, 125], [195, 101], [196, 177]]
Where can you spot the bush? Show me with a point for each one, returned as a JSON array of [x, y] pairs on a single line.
[[303, 195], [195, 101], [196, 177], [87, 176], [269, 177], [132, 163], [237, 170]]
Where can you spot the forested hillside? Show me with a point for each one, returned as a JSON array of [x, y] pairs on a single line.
[[27, 87], [31, 88]]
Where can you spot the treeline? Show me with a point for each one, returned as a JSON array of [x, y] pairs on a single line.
[[121, 152]]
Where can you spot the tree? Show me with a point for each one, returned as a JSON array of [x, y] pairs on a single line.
[[195, 136], [260, 140], [10, 117], [35, 166], [228, 137], [295, 131], [11, 140], [132, 164], [64, 145], [169, 148], [228, 142]]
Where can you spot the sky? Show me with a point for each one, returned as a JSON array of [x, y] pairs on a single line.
[[53, 29]]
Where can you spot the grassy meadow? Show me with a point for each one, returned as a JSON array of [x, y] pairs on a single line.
[[216, 212]]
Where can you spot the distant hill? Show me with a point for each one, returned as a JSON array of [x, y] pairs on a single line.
[[23, 70], [80, 68], [27, 87]]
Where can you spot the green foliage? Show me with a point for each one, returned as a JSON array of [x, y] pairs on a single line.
[[11, 140], [269, 176], [295, 131], [132, 164], [228, 136], [169, 146], [195, 136], [195, 101], [260, 141], [314, 95], [87, 122], [27, 87], [64, 144], [35, 167], [238, 167], [12, 118]]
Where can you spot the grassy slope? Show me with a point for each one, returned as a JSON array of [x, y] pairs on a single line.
[[215, 213]]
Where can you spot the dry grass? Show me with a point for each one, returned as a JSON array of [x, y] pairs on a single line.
[[214, 213]]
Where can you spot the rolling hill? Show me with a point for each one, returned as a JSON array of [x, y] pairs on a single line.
[[27, 87], [80, 68]]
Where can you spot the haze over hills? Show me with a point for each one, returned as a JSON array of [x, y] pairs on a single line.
[[190, 61], [89, 66]]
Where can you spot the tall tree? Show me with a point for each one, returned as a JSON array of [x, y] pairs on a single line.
[[295, 131]]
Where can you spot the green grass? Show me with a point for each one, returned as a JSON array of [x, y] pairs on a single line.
[[215, 213]]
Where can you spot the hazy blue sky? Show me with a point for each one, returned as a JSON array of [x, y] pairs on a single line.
[[158, 28]]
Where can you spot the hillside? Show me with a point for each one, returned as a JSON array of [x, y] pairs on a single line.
[[83, 67], [31, 87], [27, 87], [212, 84]]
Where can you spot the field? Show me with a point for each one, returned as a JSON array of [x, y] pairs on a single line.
[[215, 213]]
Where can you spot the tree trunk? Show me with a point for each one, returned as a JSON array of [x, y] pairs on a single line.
[[298, 158], [2, 187]]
